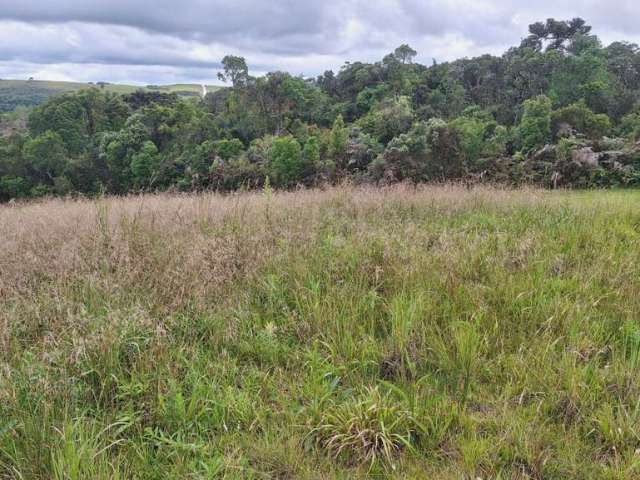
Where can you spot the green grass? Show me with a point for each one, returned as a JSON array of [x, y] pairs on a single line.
[[62, 86], [435, 332], [15, 93]]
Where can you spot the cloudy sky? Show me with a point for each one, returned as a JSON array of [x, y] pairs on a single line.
[[172, 41]]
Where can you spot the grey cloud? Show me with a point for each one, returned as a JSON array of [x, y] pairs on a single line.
[[200, 20], [187, 39]]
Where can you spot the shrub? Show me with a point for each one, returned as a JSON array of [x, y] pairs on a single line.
[[534, 130], [144, 165], [582, 119], [227, 149], [13, 187], [285, 161]]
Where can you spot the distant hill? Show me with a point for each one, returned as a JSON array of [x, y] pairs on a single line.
[[29, 93]]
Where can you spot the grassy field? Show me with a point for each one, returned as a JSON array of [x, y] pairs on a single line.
[[437, 333], [186, 88], [14, 93]]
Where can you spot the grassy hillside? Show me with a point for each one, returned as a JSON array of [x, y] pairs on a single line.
[[14, 93], [435, 332]]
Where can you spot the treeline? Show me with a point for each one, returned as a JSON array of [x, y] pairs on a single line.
[[22, 94], [560, 109]]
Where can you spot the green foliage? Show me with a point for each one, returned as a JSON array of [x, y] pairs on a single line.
[[235, 70], [404, 53], [144, 165], [227, 149], [556, 34], [581, 75], [311, 151], [630, 126], [13, 187], [565, 147], [534, 130], [388, 119], [579, 117], [370, 96], [440, 93], [429, 151], [475, 130], [362, 149], [47, 154], [286, 163], [406, 156], [337, 140]]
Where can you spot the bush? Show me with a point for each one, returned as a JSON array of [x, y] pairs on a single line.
[[389, 119], [285, 161], [13, 187], [534, 130], [47, 154], [144, 165], [235, 174], [579, 117], [630, 126], [227, 149]]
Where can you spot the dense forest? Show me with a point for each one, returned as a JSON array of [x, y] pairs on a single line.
[[559, 110]]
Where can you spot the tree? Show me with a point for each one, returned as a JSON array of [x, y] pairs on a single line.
[[285, 161], [405, 157], [144, 165], [13, 187], [630, 126], [279, 95], [338, 140], [534, 130], [311, 152], [235, 71], [405, 54], [438, 93], [362, 149], [66, 116], [582, 75], [398, 70], [555, 34], [115, 150], [47, 155], [429, 151], [388, 119], [227, 149], [472, 133], [392, 118]]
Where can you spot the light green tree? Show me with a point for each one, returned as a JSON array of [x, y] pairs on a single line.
[[285, 161], [338, 140], [144, 165], [534, 130]]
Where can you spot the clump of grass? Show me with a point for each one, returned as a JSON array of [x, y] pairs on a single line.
[[367, 428], [82, 450]]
